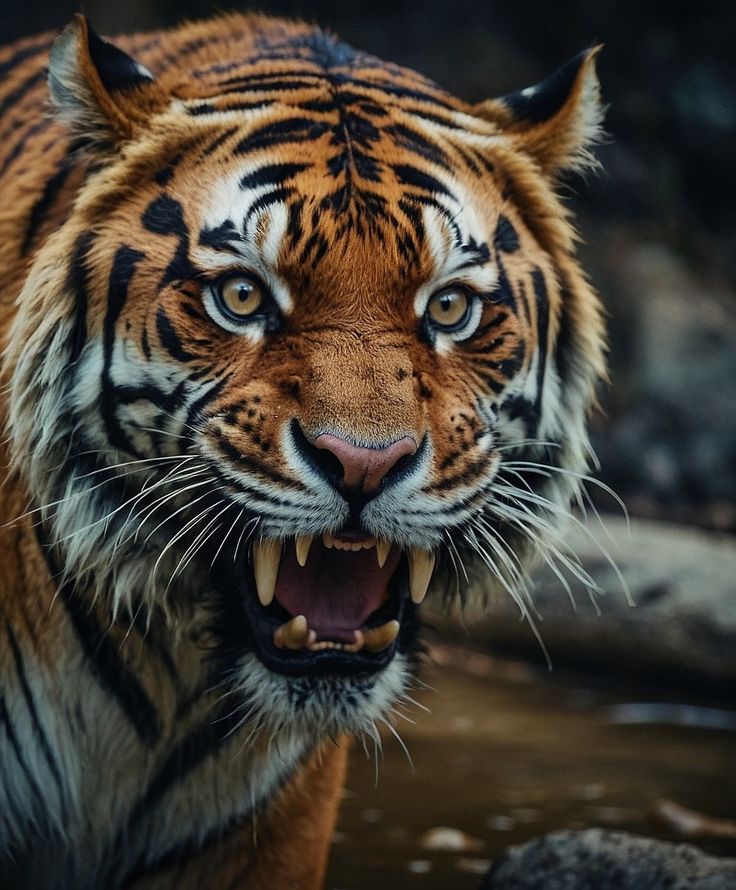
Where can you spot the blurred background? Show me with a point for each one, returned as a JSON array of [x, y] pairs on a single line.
[[635, 728]]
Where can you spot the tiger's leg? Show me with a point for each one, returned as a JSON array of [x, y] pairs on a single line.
[[286, 849]]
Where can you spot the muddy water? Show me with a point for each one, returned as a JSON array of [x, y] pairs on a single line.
[[509, 752]]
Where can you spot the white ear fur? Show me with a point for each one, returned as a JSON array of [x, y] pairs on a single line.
[[90, 83]]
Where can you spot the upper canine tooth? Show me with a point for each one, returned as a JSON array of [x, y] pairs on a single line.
[[421, 566], [303, 543], [383, 548], [266, 559]]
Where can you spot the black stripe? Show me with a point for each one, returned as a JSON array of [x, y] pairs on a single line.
[[185, 757], [21, 55], [195, 412], [109, 669], [192, 846], [220, 140], [256, 469], [262, 77], [44, 203], [402, 92], [179, 854], [565, 344], [413, 141], [209, 108], [277, 196], [504, 293], [506, 237], [494, 322], [169, 338], [20, 145], [123, 268], [540, 291], [165, 216], [18, 751], [271, 174], [221, 237], [283, 132], [78, 286], [274, 86], [16, 95], [33, 712]]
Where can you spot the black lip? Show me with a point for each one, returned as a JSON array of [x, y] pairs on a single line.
[[257, 625]]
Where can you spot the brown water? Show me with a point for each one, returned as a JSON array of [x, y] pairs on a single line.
[[509, 752]]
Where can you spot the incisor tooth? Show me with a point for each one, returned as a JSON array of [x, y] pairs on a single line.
[[295, 634], [421, 565], [266, 559], [383, 548], [378, 638], [328, 540], [303, 543]]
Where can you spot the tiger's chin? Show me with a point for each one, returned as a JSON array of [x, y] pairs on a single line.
[[329, 628]]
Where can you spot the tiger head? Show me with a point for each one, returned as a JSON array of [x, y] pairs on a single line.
[[312, 340]]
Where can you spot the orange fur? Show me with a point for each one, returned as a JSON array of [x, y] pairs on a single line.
[[124, 193]]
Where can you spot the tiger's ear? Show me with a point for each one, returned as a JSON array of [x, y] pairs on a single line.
[[557, 120], [98, 90]]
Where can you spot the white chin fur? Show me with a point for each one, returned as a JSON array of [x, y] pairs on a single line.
[[318, 706]]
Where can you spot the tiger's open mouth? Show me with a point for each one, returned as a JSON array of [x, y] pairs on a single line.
[[335, 604]]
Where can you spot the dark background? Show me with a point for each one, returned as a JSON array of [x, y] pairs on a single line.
[[659, 225]]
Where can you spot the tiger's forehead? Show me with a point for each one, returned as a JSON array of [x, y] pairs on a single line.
[[308, 206], [321, 161], [280, 221]]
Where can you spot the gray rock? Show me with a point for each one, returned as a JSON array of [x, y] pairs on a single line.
[[681, 628], [608, 860]]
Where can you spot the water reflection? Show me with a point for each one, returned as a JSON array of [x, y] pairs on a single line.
[[508, 753]]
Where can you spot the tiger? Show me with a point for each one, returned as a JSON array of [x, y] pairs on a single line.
[[291, 336]]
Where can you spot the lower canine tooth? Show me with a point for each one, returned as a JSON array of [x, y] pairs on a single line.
[[295, 634], [421, 566], [266, 559], [376, 639]]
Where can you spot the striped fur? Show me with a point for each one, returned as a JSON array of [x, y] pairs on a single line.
[[152, 439]]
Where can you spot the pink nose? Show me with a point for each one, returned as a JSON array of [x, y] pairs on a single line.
[[365, 468]]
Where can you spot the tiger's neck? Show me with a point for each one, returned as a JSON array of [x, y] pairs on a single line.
[[113, 730]]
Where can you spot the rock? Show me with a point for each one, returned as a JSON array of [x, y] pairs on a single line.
[[670, 427], [449, 839], [682, 629], [596, 859]]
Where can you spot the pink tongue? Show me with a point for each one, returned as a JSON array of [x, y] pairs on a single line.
[[337, 589]]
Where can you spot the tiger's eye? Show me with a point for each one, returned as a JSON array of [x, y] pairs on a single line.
[[241, 296], [448, 308]]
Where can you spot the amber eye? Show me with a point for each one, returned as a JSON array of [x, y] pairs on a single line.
[[448, 309], [240, 296]]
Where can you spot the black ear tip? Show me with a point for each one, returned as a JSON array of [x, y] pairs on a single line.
[[117, 70], [542, 101]]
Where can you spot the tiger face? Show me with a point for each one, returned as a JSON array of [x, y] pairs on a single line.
[[312, 341]]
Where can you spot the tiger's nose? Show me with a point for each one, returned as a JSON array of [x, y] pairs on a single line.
[[363, 469]]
